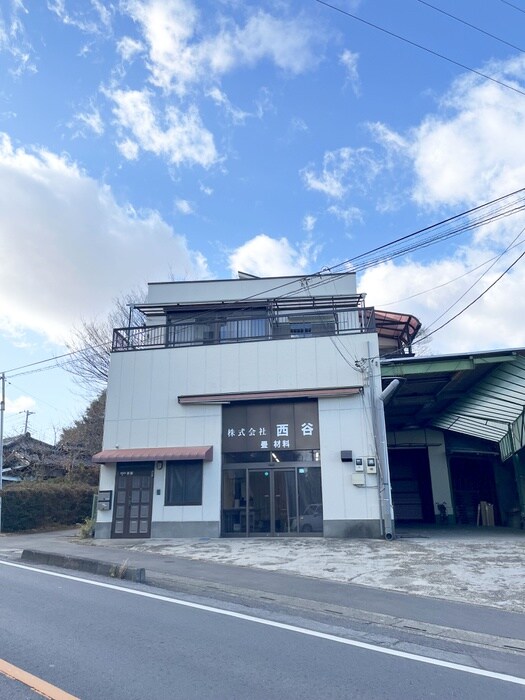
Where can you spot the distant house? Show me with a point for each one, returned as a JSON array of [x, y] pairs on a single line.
[[26, 458]]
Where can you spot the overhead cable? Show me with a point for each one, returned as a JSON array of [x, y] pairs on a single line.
[[423, 48], [419, 340], [472, 26], [483, 214]]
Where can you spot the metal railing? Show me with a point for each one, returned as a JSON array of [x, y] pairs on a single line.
[[244, 329]]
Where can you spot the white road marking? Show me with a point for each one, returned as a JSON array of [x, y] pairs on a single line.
[[281, 625]]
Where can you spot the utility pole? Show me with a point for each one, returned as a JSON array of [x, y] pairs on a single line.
[[28, 413], [2, 409], [380, 438]]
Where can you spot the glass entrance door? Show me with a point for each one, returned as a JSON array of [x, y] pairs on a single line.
[[259, 488], [284, 501], [272, 501]]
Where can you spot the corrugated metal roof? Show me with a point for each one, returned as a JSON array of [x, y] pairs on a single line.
[[477, 394], [491, 406]]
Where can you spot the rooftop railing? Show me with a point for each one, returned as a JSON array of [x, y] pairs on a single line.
[[183, 333]]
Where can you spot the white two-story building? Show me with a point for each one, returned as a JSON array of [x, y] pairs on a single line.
[[249, 407]]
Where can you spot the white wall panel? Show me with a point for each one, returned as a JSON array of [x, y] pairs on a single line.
[[238, 289], [342, 427], [149, 382]]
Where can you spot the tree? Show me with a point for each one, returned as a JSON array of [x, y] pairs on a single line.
[[421, 346], [83, 439], [91, 343]]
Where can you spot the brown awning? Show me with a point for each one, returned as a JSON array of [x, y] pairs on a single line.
[[401, 327], [154, 454], [266, 395]]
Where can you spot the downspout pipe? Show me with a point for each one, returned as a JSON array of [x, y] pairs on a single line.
[[389, 391]]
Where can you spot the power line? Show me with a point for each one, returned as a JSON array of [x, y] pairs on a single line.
[[36, 398], [472, 26], [510, 4], [423, 48], [450, 281], [504, 206], [478, 280], [54, 358], [351, 265], [419, 340]]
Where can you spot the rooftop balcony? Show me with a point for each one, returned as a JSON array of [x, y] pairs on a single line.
[[305, 318]]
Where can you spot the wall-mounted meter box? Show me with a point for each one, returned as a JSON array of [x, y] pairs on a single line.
[[371, 465], [104, 499], [358, 479], [358, 466]]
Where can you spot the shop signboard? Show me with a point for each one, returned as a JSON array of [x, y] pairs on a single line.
[[252, 427]]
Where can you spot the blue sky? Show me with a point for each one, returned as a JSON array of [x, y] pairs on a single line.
[[145, 140]]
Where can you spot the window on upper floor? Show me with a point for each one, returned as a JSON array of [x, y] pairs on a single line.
[[239, 328], [223, 325], [306, 325]]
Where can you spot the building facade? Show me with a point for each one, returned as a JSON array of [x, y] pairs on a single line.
[[248, 407]]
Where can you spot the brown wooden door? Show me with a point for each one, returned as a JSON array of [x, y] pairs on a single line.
[[133, 500]]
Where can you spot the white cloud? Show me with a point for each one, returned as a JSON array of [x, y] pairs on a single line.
[[82, 248], [477, 153], [264, 256], [349, 60], [288, 43], [128, 48], [343, 170], [309, 222], [167, 26], [348, 215], [129, 149], [238, 116], [179, 57], [489, 323], [470, 151], [92, 18], [393, 142], [19, 405], [14, 40], [298, 124], [472, 148], [103, 12], [184, 206], [184, 140], [90, 120]]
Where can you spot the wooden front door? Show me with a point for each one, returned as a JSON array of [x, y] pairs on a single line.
[[133, 501]]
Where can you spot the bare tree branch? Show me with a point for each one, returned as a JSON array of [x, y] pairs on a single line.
[[91, 343]]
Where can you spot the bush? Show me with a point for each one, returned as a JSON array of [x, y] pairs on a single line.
[[34, 505], [85, 473], [87, 528]]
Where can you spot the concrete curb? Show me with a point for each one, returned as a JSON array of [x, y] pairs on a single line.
[[93, 566]]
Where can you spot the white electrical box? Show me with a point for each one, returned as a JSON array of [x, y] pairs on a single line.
[[371, 465], [358, 466], [358, 479]]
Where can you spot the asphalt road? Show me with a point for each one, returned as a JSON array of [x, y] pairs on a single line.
[[122, 641]]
